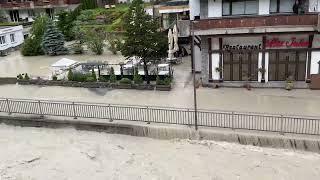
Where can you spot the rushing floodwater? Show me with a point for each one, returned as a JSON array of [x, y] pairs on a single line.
[[303, 102]]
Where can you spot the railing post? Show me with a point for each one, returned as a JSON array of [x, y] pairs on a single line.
[[8, 106], [40, 109], [189, 120], [74, 111], [148, 116], [110, 115], [282, 123], [232, 120]]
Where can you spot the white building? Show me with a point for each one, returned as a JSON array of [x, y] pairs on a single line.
[[11, 37], [264, 40]]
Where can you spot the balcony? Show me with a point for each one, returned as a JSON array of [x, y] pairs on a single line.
[[37, 3], [257, 24]]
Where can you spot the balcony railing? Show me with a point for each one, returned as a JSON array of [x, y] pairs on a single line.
[[258, 21], [37, 3]]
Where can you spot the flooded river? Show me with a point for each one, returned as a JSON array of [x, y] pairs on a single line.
[[301, 102]]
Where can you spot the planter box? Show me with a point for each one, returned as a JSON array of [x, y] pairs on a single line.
[[163, 87], [124, 86], [95, 85]]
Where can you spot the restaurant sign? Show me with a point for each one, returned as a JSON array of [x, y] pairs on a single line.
[[242, 43], [287, 41]]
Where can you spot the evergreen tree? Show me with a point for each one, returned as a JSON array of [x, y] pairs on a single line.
[[53, 41], [142, 37], [32, 45]]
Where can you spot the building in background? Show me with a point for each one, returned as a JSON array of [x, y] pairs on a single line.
[[259, 40], [10, 38], [26, 10]]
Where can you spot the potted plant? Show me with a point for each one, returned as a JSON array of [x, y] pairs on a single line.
[[219, 70], [262, 71], [289, 83]]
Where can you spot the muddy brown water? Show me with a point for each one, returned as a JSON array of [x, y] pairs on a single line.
[[300, 102]]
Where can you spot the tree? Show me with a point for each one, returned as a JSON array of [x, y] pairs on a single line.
[[113, 43], [66, 22], [70, 75], [88, 4], [32, 45], [53, 41], [95, 40], [141, 37]]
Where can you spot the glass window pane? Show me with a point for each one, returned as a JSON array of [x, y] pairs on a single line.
[[273, 6], [251, 7], [286, 5], [225, 8], [238, 7]]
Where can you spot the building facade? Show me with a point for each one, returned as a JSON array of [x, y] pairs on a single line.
[[26, 10], [257, 40], [10, 38]]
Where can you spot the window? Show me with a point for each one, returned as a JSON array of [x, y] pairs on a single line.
[[284, 6], [239, 7], [2, 40], [12, 38]]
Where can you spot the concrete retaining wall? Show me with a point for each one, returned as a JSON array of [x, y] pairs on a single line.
[[8, 80], [160, 131], [94, 85]]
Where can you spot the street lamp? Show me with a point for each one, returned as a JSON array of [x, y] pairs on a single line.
[[194, 75]]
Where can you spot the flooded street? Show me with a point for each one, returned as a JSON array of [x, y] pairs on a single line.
[[299, 102], [70, 154]]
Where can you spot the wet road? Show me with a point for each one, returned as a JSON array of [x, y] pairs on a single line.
[[299, 102]]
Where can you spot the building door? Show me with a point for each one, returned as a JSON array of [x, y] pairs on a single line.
[[240, 66], [285, 64]]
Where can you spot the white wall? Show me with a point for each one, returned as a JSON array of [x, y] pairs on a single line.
[[214, 8], [194, 8], [315, 58], [18, 33], [215, 57], [264, 7]]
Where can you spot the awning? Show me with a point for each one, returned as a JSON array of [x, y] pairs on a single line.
[[64, 63]]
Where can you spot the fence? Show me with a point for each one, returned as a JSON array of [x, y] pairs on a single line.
[[183, 116]]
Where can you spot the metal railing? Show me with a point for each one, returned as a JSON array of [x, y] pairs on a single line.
[[183, 116]]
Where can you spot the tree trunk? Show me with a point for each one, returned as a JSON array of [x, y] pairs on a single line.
[[146, 75]]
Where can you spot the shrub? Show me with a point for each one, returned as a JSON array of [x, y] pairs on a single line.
[[70, 75], [54, 77], [26, 77], [90, 79], [95, 40], [137, 79], [159, 81], [125, 81], [77, 48], [103, 79], [20, 76], [94, 76], [166, 81], [113, 77], [79, 77]]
